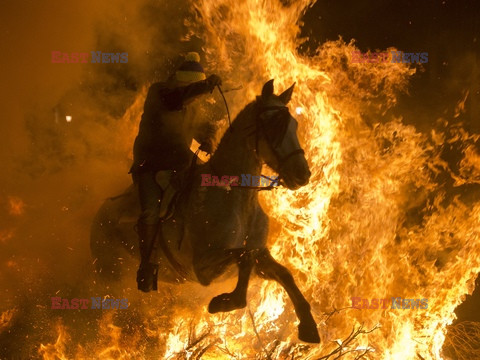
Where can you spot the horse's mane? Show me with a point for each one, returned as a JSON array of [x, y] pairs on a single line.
[[239, 121]]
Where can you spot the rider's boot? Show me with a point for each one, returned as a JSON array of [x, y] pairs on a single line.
[[148, 271]]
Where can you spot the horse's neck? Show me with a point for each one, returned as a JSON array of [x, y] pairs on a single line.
[[233, 156]]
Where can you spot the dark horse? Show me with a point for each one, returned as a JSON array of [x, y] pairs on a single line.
[[216, 226]]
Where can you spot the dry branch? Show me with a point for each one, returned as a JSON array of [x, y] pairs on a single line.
[[462, 341], [343, 346]]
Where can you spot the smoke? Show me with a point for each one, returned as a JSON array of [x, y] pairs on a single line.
[[68, 130]]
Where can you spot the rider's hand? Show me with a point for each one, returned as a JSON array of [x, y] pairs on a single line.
[[213, 80]]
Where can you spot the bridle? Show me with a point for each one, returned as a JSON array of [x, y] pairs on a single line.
[[260, 125]]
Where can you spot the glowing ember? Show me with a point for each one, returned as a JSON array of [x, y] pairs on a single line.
[[6, 319], [6, 235], [16, 206]]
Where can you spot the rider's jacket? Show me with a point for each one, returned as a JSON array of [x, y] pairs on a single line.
[[167, 128]]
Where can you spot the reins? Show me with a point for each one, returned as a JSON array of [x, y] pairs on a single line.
[[258, 188], [226, 106], [281, 160]]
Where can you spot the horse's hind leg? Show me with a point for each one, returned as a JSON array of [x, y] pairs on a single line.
[[237, 299], [268, 268]]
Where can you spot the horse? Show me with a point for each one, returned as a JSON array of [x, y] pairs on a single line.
[[214, 227]]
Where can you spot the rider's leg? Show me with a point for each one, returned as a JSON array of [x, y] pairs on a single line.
[[150, 198], [237, 299], [163, 179]]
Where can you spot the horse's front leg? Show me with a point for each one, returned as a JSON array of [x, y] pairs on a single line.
[[268, 268], [237, 299]]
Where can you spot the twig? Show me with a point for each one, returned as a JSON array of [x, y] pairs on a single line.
[[330, 314], [362, 355], [258, 336], [275, 345], [206, 348], [344, 344]]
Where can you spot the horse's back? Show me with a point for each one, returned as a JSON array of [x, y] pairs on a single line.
[[212, 226], [202, 237]]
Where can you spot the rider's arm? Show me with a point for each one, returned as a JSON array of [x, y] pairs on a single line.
[[152, 105], [175, 98]]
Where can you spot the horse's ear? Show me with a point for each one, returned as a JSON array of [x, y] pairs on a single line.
[[287, 94], [267, 90]]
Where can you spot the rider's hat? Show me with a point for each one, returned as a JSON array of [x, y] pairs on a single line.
[[191, 70]]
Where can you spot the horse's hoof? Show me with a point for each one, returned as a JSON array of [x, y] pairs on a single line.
[[225, 302], [307, 331]]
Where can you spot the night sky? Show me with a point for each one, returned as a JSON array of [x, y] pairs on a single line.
[[448, 30]]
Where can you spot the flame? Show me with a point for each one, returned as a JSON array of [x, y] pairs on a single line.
[[377, 220], [6, 319], [56, 350], [352, 231]]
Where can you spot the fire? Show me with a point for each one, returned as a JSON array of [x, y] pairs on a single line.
[[56, 350], [375, 221], [6, 319]]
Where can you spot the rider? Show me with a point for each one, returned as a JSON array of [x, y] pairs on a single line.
[[162, 148]]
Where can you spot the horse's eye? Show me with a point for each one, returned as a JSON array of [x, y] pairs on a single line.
[[279, 124]]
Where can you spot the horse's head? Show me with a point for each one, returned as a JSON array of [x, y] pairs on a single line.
[[276, 137]]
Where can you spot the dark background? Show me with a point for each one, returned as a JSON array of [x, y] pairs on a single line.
[[448, 30]]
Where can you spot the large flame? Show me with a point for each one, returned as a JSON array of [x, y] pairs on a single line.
[[349, 233], [375, 221]]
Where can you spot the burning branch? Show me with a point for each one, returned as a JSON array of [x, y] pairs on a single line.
[[343, 348], [258, 336], [463, 341], [197, 345], [335, 311]]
